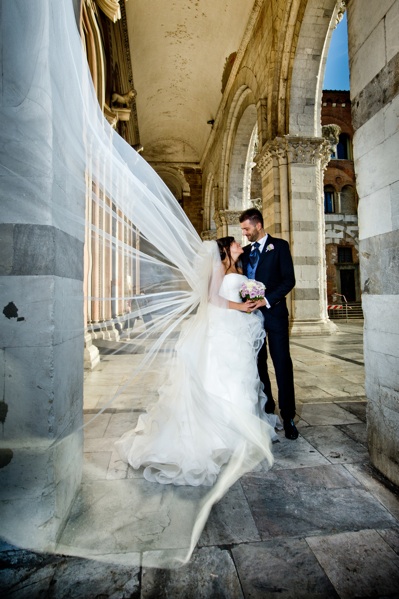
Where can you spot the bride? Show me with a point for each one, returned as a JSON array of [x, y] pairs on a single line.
[[213, 398], [207, 428]]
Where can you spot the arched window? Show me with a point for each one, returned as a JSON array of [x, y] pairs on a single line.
[[344, 147], [329, 199], [348, 201]]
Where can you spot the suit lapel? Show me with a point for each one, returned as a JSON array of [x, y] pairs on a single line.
[[264, 253]]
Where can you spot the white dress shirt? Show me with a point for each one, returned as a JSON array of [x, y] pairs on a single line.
[[262, 242]]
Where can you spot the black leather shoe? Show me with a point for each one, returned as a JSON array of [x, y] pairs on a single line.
[[291, 431]]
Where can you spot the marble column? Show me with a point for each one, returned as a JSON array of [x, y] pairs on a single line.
[[41, 291], [374, 70], [291, 169]]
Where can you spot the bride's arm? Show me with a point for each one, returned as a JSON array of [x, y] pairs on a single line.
[[242, 306]]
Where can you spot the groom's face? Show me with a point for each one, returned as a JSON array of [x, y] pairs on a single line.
[[251, 231]]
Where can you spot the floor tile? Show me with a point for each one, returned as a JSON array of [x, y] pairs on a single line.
[[335, 445], [367, 476], [327, 413], [230, 521], [210, 574], [296, 454], [358, 408], [391, 536], [95, 425], [357, 432], [359, 564], [281, 568], [309, 501], [95, 465], [121, 422]]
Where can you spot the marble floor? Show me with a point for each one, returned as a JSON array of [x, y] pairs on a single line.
[[322, 523]]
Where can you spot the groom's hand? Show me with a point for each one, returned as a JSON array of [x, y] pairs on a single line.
[[260, 304]]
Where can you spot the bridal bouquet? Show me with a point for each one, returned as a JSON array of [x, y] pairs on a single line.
[[252, 290]]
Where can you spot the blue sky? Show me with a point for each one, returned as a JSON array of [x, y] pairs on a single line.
[[336, 75]]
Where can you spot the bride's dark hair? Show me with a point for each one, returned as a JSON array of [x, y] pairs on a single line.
[[224, 244]]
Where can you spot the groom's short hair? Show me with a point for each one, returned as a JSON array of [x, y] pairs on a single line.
[[252, 214]]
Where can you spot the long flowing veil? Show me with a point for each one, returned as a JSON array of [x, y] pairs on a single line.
[[170, 277]]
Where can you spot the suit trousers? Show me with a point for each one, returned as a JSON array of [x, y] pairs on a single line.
[[277, 338]]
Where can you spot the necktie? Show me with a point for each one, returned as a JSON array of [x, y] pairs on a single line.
[[253, 260]]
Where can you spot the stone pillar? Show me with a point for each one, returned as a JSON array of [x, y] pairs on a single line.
[[193, 207], [41, 292], [291, 169], [374, 62]]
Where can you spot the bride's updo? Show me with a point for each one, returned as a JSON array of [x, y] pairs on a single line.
[[224, 244]]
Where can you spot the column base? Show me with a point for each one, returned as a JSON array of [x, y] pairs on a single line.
[[313, 327], [91, 354]]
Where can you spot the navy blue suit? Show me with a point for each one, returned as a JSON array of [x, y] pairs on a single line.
[[275, 269]]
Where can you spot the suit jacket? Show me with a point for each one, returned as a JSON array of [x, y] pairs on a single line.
[[275, 270]]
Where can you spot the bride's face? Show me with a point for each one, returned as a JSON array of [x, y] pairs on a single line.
[[235, 250]]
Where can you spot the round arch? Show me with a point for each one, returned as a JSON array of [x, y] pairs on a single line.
[[174, 179], [314, 38]]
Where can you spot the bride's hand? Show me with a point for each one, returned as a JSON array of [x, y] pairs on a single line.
[[249, 306]]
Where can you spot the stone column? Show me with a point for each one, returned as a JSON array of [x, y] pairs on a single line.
[[41, 293], [374, 61], [291, 169]]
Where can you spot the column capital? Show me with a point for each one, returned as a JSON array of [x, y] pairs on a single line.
[[227, 217], [294, 149], [209, 235]]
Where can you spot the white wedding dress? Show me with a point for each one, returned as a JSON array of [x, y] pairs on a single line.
[[211, 407]]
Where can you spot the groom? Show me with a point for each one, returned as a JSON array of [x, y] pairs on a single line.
[[268, 259]]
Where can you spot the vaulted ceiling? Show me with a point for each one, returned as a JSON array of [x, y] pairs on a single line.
[[179, 50]]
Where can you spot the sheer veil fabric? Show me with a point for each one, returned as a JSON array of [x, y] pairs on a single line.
[[180, 276]]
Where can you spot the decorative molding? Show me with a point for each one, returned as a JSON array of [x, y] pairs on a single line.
[[294, 150], [340, 12], [110, 8], [227, 217], [209, 235]]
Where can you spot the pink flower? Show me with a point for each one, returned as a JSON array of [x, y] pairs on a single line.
[[253, 290]]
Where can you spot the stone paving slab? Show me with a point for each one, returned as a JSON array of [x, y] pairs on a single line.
[[310, 501], [380, 490], [282, 568], [211, 573], [335, 445], [300, 454], [359, 564], [31, 575], [358, 408], [230, 521], [327, 413], [357, 432]]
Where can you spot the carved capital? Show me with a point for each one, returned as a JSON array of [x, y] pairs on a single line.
[[227, 217], [294, 150], [331, 134], [276, 149], [209, 235], [307, 150], [341, 11], [110, 8]]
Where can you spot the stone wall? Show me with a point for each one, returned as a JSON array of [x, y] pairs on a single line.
[[374, 68]]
